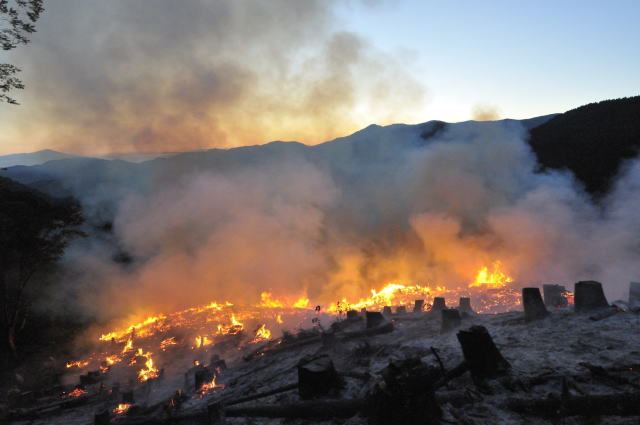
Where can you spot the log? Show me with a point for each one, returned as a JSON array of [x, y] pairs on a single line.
[[263, 394], [450, 320], [317, 377], [481, 354], [418, 306], [553, 295], [374, 319], [304, 410], [534, 308], [589, 296], [618, 404]]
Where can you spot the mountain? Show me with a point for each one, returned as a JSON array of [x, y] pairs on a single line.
[[33, 158], [592, 141]]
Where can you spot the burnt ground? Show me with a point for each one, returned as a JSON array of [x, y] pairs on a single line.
[[560, 366]]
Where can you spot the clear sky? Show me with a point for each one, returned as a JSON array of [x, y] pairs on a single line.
[[123, 76]]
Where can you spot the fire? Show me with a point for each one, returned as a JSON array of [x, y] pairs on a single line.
[[202, 341], [279, 319], [391, 294], [119, 334], [211, 385], [166, 343], [128, 346], [113, 359], [79, 364], [301, 303], [149, 371], [266, 300], [234, 328], [262, 334], [77, 392], [494, 279], [121, 408]]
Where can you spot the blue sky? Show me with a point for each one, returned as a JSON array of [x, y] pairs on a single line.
[[524, 58]]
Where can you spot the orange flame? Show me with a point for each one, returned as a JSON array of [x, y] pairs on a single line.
[[77, 392], [262, 334], [79, 364], [494, 280], [121, 408]]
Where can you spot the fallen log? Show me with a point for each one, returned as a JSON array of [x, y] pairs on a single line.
[[263, 394], [303, 410], [618, 404], [386, 328]]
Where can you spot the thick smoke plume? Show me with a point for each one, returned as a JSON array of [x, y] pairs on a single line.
[[116, 76], [303, 225]]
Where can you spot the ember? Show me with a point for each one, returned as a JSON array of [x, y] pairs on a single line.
[[76, 392], [121, 408]]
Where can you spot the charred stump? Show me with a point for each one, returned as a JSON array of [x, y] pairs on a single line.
[[418, 306], [401, 309], [353, 315], [450, 320], [374, 319], [465, 307], [634, 295], [386, 310], [589, 296], [407, 397], [481, 354], [534, 308], [553, 295], [317, 377], [438, 305]]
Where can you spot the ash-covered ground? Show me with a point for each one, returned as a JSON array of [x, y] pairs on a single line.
[[566, 357]]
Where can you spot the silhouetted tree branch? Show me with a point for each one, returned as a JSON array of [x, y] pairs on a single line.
[[17, 22]]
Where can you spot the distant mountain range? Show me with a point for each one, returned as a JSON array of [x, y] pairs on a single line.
[[592, 141]]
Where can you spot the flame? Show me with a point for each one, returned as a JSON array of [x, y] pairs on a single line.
[[210, 385], [390, 294], [77, 392], [279, 319], [262, 334], [166, 343], [149, 371], [202, 341], [494, 279], [267, 301], [113, 359], [234, 328], [79, 364], [119, 334], [128, 346], [121, 408], [301, 303]]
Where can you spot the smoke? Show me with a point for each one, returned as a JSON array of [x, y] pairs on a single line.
[[484, 112], [122, 76], [304, 225]]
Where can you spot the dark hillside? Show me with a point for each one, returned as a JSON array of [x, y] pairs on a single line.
[[592, 141]]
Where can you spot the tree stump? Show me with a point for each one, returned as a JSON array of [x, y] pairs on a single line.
[[201, 377], [534, 308], [127, 397], [353, 315], [553, 295], [481, 354], [374, 319], [386, 310], [634, 294], [589, 296], [450, 320], [317, 377], [438, 304], [418, 306], [465, 307], [401, 309]]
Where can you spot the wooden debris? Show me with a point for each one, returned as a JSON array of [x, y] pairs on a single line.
[[374, 319], [481, 354], [534, 308], [589, 296], [401, 309]]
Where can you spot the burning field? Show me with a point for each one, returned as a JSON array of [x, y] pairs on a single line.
[[401, 356]]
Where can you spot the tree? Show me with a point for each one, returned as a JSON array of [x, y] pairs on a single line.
[[35, 229], [18, 18]]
